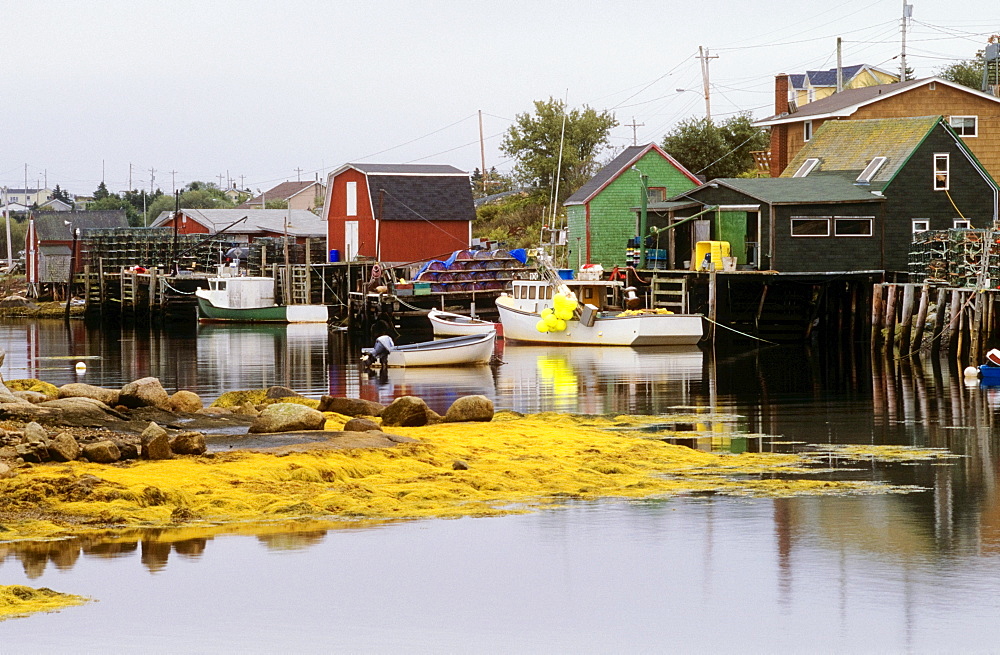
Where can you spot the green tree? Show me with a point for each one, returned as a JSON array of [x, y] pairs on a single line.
[[967, 73], [534, 140], [59, 194], [196, 195], [723, 150], [101, 192]]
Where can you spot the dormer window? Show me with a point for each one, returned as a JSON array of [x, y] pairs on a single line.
[[873, 167], [806, 167]]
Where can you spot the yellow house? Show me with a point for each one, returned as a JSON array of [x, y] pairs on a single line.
[[816, 85]]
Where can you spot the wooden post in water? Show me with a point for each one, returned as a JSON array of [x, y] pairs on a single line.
[[939, 318], [712, 309], [918, 324], [975, 328], [906, 322], [890, 319], [954, 319], [877, 312]]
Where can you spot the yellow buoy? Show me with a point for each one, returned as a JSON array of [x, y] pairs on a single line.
[[81, 367]]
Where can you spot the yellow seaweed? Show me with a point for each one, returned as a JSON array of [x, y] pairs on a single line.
[[18, 600], [512, 464]]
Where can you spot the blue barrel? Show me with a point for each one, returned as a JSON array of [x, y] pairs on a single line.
[[334, 255], [566, 273]]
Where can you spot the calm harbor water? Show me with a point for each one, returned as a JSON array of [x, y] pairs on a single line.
[[902, 573]]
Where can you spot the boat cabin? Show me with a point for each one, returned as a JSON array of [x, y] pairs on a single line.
[[536, 295], [240, 292]]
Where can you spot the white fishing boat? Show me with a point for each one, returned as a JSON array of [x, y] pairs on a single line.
[[469, 350], [447, 324], [251, 300], [599, 316]]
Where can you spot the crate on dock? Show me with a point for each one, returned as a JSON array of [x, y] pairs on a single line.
[[421, 288]]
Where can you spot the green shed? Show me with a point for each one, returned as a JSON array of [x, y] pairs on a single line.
[[601, 216]]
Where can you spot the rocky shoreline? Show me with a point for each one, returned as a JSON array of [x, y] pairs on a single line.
[[41, 423]]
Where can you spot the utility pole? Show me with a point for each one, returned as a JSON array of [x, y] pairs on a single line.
[[633, 125], [705, 57], [907, 14], [220, 180], [242, 181], [840, 66], [482, 151], [173, 181], [152, 179], [298, 174], [130, 176]]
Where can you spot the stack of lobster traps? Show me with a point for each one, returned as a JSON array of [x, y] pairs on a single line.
[[956, 258]]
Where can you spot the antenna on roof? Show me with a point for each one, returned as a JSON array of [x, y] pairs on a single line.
[[907, 15]]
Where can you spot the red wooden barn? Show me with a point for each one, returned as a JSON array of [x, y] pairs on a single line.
[[398, 212]]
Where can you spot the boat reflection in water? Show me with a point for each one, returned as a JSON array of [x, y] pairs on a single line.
[[254, 356], [545, 378], [592, 380]]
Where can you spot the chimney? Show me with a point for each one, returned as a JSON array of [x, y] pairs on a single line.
[[779, 133], [780, 94]]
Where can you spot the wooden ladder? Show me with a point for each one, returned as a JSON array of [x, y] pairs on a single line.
[[671, 293]]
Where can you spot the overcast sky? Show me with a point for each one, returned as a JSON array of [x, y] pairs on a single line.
[[255, 90]]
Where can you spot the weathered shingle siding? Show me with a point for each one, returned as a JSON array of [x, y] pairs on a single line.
[[613, 220], [911, 195], [832, 253]]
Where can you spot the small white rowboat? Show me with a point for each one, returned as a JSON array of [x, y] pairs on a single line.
[[447, 324], [470, 350]]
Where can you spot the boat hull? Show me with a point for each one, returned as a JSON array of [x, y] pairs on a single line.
[[446, 324], [644, 330], [475, 350], [273, 314]]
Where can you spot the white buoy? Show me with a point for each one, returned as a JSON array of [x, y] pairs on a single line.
[[971, 372], [81, 368]]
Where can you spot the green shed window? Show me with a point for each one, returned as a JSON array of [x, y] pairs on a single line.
[[810, 226], [849, 226]]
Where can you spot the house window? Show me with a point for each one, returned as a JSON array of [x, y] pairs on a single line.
[[965, 125], [656, 194], [811, 226], [962, 224], [941, 172], [807, 131], [844, 226], [806, 167], [921, 225], [352, 198], [870, 170]]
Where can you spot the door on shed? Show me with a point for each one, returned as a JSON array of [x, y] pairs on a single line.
[[733, 228], [350, 239]]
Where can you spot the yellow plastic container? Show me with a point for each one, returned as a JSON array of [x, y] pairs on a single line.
[[717, 249]]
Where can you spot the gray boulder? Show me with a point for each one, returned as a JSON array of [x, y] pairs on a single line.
[[470, 408], [287, 417], [4, 470], [155, 444], [185, 401], [33, 452], [64, 448], [80, 390], [102, 452], [79, 411], [145, 392], [407, 411], [35, 432], [31, 396], [350, 406], [361, 425], [282, 392], [188, 443]]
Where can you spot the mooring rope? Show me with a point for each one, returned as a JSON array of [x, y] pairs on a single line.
[[749, 336], [175, 290]]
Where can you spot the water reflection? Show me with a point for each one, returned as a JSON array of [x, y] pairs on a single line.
[[155, 546]]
